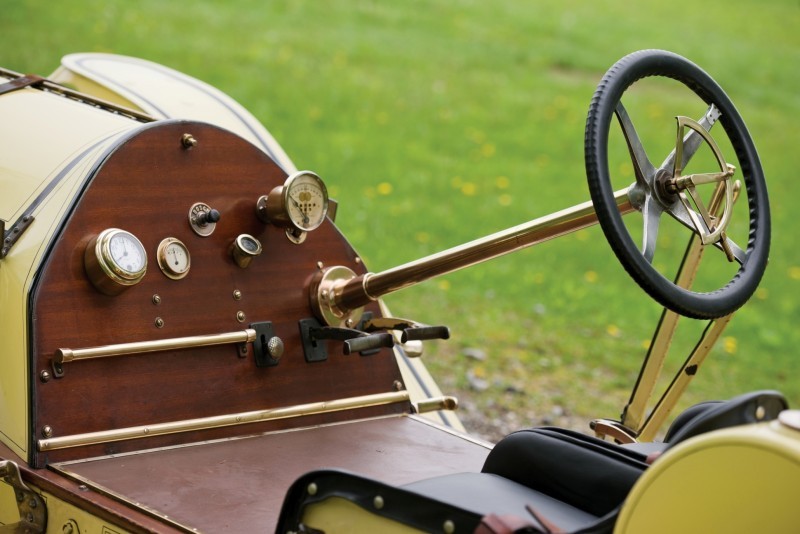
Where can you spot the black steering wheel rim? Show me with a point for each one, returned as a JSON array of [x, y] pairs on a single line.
[[699, 305]]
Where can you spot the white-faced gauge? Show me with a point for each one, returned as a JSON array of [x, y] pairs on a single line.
[[300, 204], [173, 258], [115, 260]]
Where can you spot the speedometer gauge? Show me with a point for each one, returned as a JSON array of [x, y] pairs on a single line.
[[115, 260]]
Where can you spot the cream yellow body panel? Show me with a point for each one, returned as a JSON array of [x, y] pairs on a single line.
[[75, 135], [340, 516], [165, 94], [743, 479]]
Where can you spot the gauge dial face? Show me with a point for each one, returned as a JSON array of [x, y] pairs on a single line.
[[173, 258], [115, 260], [306, 200], [127, 252]]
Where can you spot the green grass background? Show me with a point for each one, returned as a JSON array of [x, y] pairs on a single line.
[[439, 122]]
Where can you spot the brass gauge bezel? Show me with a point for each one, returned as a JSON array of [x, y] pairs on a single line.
[[167, 267], [105, 272], [281, 208]]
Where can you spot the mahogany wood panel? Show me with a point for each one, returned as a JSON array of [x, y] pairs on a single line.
[[147, 186], [244, 493]]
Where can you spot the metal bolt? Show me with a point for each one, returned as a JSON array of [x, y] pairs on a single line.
[[45, 376], [47, 431], [761, 413], [240, 316], [449, 527], [32, 504], [320, 265], [237, 295], [349, 323], [312, 489], [159, 322], [377, 502], [188, 141], [156, 299], [398, 386]]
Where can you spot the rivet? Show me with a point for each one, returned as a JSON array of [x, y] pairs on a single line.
[[159, 322], [240, 316], [312, 489], [398, 386], [449, 527], [377, 502], [156, 299], [761, 413], [237, 295], [320, 265], [358, 259], [349, 323], [32, 503], [45, 376], [188, 140], [83, 487], [47, 431]]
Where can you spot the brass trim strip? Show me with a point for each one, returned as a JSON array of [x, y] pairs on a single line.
[[218, 421], [137, 347]]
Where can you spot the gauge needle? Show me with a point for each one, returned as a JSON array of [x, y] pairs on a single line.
[[297, 205]]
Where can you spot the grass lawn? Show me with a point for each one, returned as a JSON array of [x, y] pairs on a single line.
[[435, 123]]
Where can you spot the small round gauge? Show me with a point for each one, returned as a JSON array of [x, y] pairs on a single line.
[[244, 249], [300, 204], [115, 260], [173, 258]]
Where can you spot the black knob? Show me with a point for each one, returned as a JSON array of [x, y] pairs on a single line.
[[207, 217]]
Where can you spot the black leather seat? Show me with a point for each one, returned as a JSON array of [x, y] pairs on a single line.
[[536, 480]]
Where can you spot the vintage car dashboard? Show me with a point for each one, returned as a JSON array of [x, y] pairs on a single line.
[[174, 300]]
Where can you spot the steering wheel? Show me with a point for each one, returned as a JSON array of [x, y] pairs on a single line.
[[666, 189]]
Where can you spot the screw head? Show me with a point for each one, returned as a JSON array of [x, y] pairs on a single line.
[[47, 431]]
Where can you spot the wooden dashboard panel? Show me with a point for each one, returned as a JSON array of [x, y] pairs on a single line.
[[146, 186]]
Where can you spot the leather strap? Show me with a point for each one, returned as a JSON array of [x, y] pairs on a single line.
[[19, 83]]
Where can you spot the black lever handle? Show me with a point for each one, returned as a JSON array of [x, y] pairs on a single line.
[[425, 332], [368, 342]]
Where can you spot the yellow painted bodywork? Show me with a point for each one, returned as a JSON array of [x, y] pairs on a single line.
[[743, 479], [41, 135], [164, 93], [337, 515], [61, 515]]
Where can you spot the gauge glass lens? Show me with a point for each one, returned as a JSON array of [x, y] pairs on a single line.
[[249, 245], [306, 201], [127, 253], [173, 258]]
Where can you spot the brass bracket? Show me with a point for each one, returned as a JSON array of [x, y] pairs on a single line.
[[32, 509]]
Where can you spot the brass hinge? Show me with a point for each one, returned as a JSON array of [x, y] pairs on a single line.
[[13, 233], [32, 510]]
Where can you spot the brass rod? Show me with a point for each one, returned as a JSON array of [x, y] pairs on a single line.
[[675, 390], [360, 290], [218, 421], [138, 347]]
